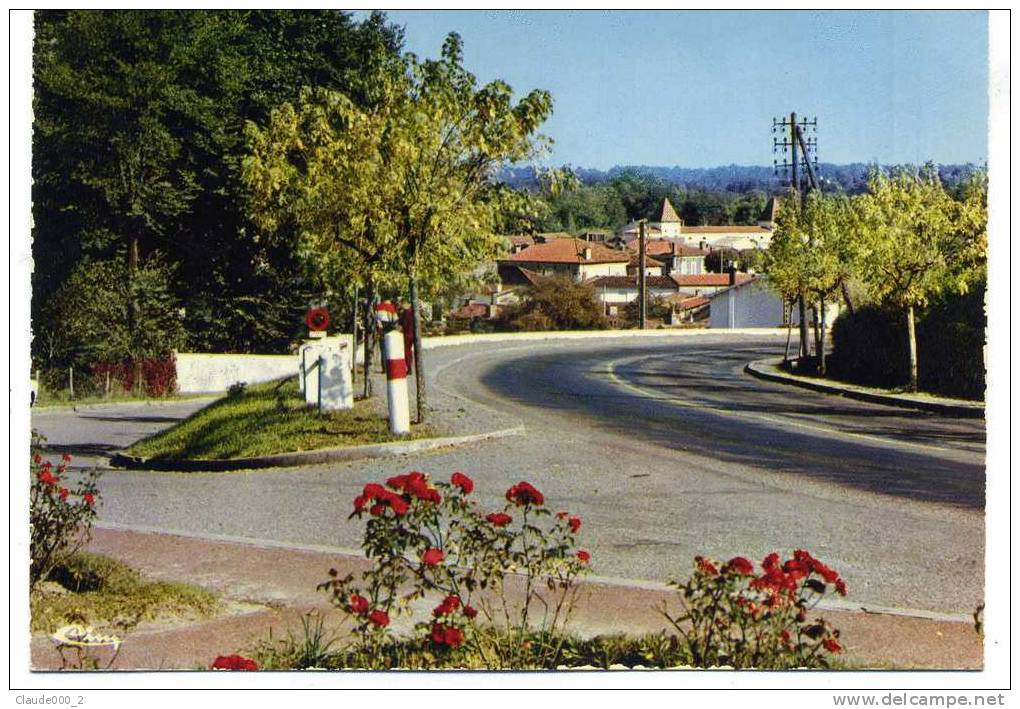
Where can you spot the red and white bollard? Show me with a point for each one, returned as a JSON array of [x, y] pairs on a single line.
[[396, 382]]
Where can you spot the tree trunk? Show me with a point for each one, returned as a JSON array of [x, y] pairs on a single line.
[[912, 338], [354, 335], [133, 324], [821, 339], [369, 340], [846, 298], [421, 397], [802, 311], [818, 339], [788, 314]]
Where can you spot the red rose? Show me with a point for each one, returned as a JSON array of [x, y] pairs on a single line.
[[583, 556], [46, 478], [448, 606], [771, 561], [376, 510], [433, 556], [795, 569], [785, 637], [832, 645], [524, 493], [453, 637], [379, 618], [359, 503], [740, 566], [470, 611], [575, 524], [462, 481], [89, 499], [562, 515], [234, 662], [64, 492], [374, 491], [358, 604], [37, 459], [438, 634], [499, 519], [841, 587], [705, 566], [66, 458]]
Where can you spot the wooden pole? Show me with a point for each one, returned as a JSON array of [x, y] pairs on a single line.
[[642, 285]]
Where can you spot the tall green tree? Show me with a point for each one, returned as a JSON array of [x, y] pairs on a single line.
[[455, 136], [921, 241], [138, 141]]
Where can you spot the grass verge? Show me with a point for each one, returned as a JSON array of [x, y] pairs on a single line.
[[265, 419], [105, 593]]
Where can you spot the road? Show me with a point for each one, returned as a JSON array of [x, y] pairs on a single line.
[[664, 447]]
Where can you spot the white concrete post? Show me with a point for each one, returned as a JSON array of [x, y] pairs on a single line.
[[336, 388], [396, 382]]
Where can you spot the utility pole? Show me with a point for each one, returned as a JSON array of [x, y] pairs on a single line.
[[793, 141], [642, 286]]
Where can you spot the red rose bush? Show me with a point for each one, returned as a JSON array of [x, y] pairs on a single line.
[[736, 616], [61, 512], [511, 569]]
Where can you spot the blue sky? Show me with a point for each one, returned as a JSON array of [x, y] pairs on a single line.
[[699, 89]]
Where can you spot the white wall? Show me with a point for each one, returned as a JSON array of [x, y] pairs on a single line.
[[756, 305], [199, 373], [594, 270]]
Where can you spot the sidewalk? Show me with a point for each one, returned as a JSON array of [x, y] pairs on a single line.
[[770, 370], [271, 587]]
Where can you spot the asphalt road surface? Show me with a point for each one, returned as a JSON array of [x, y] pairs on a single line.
[[664, 447]]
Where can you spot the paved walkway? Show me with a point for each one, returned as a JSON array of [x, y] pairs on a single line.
[[270, 587]]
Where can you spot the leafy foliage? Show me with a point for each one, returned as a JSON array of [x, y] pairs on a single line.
[[87, 320], [734, 617], [431, 538], [555, 303], [60, 514], [138, 137]]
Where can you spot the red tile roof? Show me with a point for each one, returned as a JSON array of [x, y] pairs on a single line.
[[708, 279], [688, 302], [658, 282], [470, 311], [649, 260], [568, 251]]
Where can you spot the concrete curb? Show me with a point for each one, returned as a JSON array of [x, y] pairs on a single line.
[[431, 343], [322, 455], [115, 405], [769, 370]]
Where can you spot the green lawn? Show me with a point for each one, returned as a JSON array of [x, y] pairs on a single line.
[[103, 592], [265, 419]]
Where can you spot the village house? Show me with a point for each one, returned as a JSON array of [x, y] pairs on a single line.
[[752, 303], [569, 257], [670, 226], [616, 291], [674, 255]]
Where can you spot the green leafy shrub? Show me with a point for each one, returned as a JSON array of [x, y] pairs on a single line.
[[870, 346], [734, 617], [555, 303], [60, 514]]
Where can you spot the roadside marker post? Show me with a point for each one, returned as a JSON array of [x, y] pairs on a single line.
[[336, 387], [396, 382]]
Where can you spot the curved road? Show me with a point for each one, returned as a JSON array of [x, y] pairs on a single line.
[[663, 446]]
